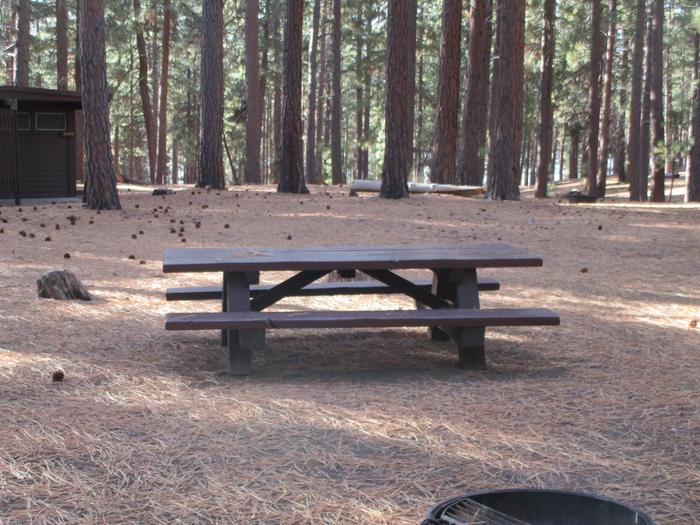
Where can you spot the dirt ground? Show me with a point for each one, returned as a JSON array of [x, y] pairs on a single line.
[[350, 426]]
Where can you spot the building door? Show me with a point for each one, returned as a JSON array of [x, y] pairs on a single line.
[[44, 156], [9, 182]]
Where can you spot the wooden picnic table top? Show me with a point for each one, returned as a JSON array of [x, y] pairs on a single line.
[[417, 256]]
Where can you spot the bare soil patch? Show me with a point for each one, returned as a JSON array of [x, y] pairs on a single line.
[[344, 426]]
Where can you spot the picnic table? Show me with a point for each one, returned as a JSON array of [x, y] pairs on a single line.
[[448, 302]]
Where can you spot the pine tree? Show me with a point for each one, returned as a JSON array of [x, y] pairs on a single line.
[[100, 181]]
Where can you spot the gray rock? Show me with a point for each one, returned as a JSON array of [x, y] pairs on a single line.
[[61, 284]]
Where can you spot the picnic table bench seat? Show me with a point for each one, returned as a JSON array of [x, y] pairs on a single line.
[[456, 321], [201, 293], [446, 317]]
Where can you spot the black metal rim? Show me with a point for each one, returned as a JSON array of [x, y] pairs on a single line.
[[438, 509]]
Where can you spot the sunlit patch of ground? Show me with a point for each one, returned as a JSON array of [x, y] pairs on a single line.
[[345, 426]]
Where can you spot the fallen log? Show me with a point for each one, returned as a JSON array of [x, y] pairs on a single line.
[[374, 186]]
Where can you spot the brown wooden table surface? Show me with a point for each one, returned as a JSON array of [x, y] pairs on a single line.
[[423, 256]]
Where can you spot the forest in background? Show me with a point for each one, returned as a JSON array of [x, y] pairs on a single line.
[[154, 56]]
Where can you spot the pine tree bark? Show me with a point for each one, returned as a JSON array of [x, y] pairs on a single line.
[[22, 46], [311, 106], [61, 45], [253, 123], [367, 91], [100, 180], [444, 155], [620, 151], [320, 110], [291, 177], [692, 176], [544, 136], [645, 146], [634, 160], [277, 98], [79, 138], [175, 169], [210, 156], [507, 101], [606, 112], [668, 98], [470, 163], [400, 98], [148, 115], [359, 91], [657, 101], [574, 143], [162, 174], [337, 175], [594, 98]]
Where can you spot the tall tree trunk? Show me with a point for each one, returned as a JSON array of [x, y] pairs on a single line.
[[575, 134], [634, 160], [22, 51], [132, 124], [657, 100], [645, 147], [470, 164], [597, 50], [79, 126], [311, 106], [163, 112], [175, 169], [291, 177], [155, 77], [400, 98], [620, 153], [320, 111], [253, 123], [100, 181], [359, 91], [61, 45], [148, 115], [265, 106], [337, 172], [277, 99], [507, 101], [692, 176], [367, 91], [445, 139], [604, 140], [418, 148], [544, 136], [668, 98], [117, 150], [211, 160], [561, 157]]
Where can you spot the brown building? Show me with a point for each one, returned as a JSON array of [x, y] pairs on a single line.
[[37, 142]]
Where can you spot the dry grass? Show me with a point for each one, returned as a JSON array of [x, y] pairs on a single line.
[[347, 426]]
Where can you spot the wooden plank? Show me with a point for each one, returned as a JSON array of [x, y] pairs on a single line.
[[363, 319], [202, 293], [453, 256]]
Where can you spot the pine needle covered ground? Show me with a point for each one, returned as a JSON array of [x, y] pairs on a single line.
[[345, 426]]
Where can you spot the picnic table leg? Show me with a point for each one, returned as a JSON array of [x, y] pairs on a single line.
[[444, 284], [470, 341], [241, 343], [224, 333]]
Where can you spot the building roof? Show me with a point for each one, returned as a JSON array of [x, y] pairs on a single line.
[[70, 98]]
